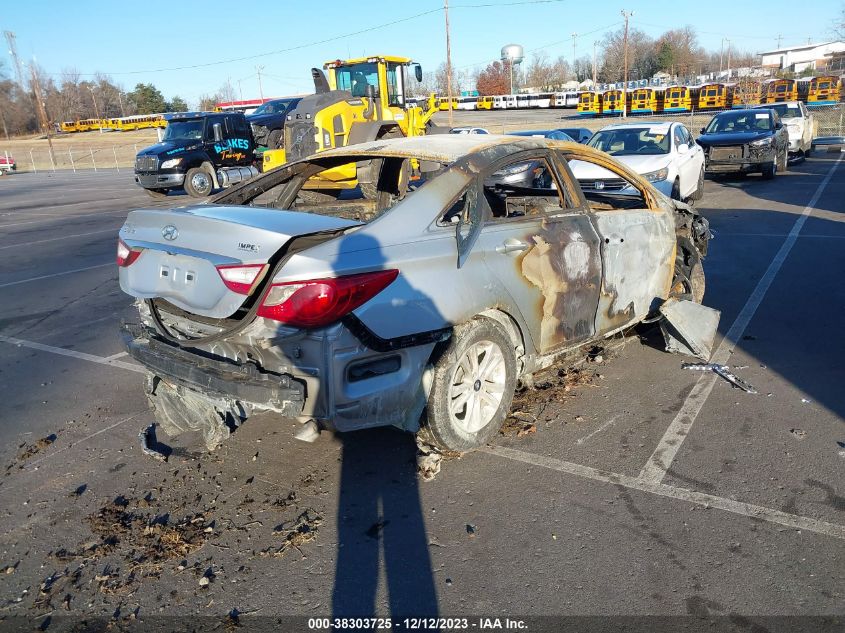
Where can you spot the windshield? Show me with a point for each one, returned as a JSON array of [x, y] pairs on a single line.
[[184, 130], [631, 141], [273, 107], [786, 111], [746, 121], [356, 78]]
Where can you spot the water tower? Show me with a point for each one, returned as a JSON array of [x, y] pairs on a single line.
[[513, 54]]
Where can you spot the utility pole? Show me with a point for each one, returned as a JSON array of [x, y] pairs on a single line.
[[594, 66], [13, 51], [120, 101], [627, 16], [260, 88], [729, 58], [94, 99], [721, 56], [574, 47], [780, 37], [449, 62], [240, 89], [42, 113]]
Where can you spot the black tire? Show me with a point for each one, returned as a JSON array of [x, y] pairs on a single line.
[[440, 427], [196, 186], [158, 194], [368, 174], [770, 169], [273, 139], [317, 196], [676, 190], [698, 194]]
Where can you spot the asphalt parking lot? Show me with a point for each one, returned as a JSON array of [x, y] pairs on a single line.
[[637, 489]]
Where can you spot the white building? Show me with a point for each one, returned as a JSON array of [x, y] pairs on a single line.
[[798, 58]]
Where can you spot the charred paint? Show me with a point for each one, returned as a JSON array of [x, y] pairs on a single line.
[[564, 264]]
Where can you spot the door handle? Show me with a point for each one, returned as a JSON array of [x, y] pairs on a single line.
[[512, 245]]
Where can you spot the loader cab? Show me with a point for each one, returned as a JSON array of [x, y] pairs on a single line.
[[386, 76]]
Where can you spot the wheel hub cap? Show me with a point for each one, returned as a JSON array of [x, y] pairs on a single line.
[[477, 386]]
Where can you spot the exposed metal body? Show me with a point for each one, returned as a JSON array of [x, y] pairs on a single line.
[[558, 270]]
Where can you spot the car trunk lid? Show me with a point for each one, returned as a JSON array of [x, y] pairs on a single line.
[[182, 248]]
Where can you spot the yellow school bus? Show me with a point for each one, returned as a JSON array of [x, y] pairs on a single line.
[[443, 103], [612, 101], [748, 93], [778, 90], [647, 100], [69, 126], [589, 104], [677, 99], [86, 125], [484, 103], [714, 96], [824, 90]]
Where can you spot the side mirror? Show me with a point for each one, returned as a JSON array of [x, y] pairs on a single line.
[[218, 132], [702, 131], [778, 125], [418, 72], [683, 148]]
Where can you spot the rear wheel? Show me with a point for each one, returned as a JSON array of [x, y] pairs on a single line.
[[198, 182], [368, 174], [472, 387], [157, 193]]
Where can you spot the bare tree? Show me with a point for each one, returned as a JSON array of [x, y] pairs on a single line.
[[641, 58]]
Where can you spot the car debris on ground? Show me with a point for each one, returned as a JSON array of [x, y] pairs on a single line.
[[723, 371]]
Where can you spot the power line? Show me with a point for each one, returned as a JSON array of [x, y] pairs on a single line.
[[334, 38]]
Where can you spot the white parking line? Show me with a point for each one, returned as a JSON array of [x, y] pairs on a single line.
[[662, 457], [64, 272], [63, 237], [84, 439], [581, 440], [664, 490], [61, 351]]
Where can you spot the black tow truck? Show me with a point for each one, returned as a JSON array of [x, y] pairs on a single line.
[[200, 151]]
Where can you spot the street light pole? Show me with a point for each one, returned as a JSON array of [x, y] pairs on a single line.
[[96, 109], [258, 69], [625, 75], [449, 62]]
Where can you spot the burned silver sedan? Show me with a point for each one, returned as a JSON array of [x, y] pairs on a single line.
[[420, 305]]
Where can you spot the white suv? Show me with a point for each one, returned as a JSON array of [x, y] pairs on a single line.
[[799, 124]]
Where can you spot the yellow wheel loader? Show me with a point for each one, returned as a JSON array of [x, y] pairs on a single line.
[[362, 99]]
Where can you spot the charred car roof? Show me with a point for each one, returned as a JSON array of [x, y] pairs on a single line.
[[446, 148]]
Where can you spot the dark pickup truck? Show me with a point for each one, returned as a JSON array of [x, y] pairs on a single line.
[[200, 151]]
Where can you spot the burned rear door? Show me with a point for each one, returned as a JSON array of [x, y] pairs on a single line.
[[637, 244], [542, 249]]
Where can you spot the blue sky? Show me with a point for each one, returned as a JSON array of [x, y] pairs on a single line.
[[140, 42]]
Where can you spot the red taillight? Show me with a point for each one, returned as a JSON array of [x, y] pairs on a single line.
[[126, 256], [240, 278], [320, 302]]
